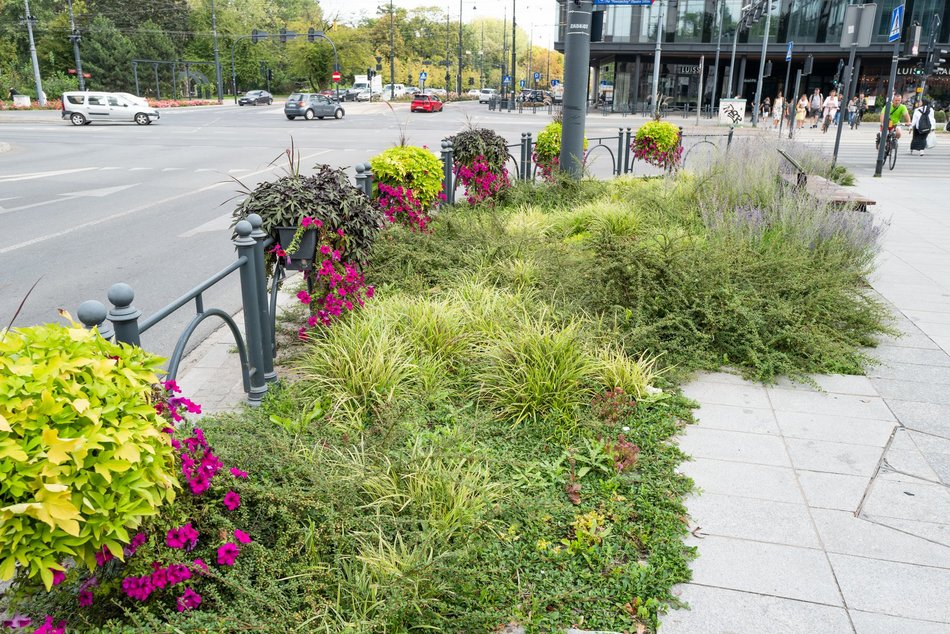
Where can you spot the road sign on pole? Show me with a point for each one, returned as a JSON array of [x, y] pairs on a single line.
[[423, 76], [537, 76], [788, 53], [555, 82], [336, 76], [897, 18], [521, 83], [506, 79]]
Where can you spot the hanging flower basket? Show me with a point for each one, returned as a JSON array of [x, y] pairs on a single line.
[[302, 258]]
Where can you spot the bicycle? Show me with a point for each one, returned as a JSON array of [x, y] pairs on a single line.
[[890, 148]]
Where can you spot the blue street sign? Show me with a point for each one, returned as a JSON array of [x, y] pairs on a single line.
[[646, 3], [537, 76], [897, 19], [603, 82], [788, 53], [423, 76], [521, 83], [506, 79], [555, 82]]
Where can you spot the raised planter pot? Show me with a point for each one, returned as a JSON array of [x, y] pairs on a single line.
[[302, 258]]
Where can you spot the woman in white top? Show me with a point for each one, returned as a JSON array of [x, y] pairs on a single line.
[[828, 110], [778, 110]]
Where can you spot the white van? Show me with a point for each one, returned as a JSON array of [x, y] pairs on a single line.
[[389, 89], [82, 108]]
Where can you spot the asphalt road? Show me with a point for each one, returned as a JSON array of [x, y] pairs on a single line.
[[85, 207]]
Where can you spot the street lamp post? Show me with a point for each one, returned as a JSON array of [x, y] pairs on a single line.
[[392, 55], [767, 5], [40, 95], [715, 84], [217, 58], [74, 38], [514, 68], [656, 60]]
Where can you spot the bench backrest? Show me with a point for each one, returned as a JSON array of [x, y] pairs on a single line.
[[802, 176]]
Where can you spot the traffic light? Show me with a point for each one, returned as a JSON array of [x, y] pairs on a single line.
[[934, 61], [809, 63], [257, 36], [471, 81], [919, 68], [768, 68], [313, 34], [270, 74], [283, 36]]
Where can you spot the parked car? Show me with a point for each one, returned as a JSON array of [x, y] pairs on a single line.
[[441, 92], [474, 93], [486, 94], [367, 95], [256, 98], [389, 90], [82, 108], [536, 96], [309, 105], [425, 103]]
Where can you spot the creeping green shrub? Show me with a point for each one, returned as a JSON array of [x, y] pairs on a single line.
[[82, 455], [547, 149]]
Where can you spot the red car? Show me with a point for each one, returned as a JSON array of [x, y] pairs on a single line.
[[425, 103]]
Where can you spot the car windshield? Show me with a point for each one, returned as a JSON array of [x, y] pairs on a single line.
[[295, 97]]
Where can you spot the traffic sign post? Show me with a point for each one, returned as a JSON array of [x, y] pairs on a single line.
[[788, 53], [894, 35], [336, 76], [537, 76], [521, 83], [423, 76], [506, 79]]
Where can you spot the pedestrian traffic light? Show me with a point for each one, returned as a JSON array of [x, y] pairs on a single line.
[[471, 81], [257, 36], [283, 36], [919, 69], [809, 63]]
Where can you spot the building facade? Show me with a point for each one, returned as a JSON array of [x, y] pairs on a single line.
[[622, 63]]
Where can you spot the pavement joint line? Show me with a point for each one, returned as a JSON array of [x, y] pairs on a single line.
[[767, 594], [887, 468]]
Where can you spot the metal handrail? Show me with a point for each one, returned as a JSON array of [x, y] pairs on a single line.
[[194, 293]]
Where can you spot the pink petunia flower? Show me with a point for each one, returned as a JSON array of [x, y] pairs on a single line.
[[227, 554], [237, 473], [188, 600], [48, 628], [241, 536], [85, 598], [58, 577], [184, 537], [232, 500], [304, 297], [201, 565]]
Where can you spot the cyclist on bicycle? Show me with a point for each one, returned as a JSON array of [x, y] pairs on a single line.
[[898, 112]]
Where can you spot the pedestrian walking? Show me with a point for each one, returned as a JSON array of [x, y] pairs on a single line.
[[923, 125], [817, 99], [778, 110], [801, 111], [852, 111], [765, 109], [862, 108]]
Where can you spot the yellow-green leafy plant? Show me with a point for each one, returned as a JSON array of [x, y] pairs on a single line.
[[658, 143], [82, 455], [547, 149], [408, 184]]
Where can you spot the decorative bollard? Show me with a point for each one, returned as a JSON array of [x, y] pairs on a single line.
[[627, 167], [260, 279], [252, 316], [364, 178], [618, 167], [732, 129], [528, 170], [448, 174], [124, 316], [92, 314]]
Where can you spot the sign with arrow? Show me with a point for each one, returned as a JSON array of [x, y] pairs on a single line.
[[788, 53]]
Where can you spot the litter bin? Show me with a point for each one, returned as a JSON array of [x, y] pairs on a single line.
[[21, 101]]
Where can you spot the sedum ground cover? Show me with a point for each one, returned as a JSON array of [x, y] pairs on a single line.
[[491, 439]]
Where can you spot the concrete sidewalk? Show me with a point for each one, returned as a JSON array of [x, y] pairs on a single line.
[[829, 511]]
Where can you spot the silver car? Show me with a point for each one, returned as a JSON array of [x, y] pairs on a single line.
[[309, 105]]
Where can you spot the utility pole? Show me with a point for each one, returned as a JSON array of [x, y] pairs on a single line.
[[74, 38], [40, 96], [217, 58], [576, 71], [458, 73], [504, 55], [514, 67], [895, 37], [715, 84], [767, 4], [929, 64], [656, 61], [392, 54]]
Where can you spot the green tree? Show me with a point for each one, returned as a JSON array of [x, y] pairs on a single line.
[[107, 56]]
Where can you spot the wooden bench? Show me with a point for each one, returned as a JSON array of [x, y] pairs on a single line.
[[822, 189]]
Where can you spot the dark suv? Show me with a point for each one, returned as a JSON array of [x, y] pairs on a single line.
[[309, 105]]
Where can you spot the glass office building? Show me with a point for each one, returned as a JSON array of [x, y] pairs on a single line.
[[692, 30]]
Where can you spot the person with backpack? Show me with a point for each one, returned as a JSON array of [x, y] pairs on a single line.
[[923, 126]]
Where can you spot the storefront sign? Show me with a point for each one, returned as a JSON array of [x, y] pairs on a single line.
[[646, 3], [686, 69]]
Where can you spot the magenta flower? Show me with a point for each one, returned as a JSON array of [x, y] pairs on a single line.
[[227, 554], [242, 537], [339, 232], [176, 573], [160, 577], [201, 565], [103, 556], [188, 600], [58, 576], [302, 334], [232, 500], [237, 473], [85, 598], [18, 621], [307, 221], [370, 291], [136, 542], [325, 249], [185, 537], [49, 628], [304, 297]]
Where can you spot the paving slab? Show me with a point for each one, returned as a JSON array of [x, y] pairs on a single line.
[[720, 611], [923, 392], [841, 532], [870, 407], [834, 457], [842, 429], [936, 532], [836, 491], [720, 444], [916, 500], [715, 392], [872, 623], [907, 466], [752, 420], [896, 589], [777, 570], [754, 519], [926, 417], [832, 383], [744, 479], [893, 354]]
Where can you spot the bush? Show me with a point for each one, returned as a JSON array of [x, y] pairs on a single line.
[[480, 155], [408, 183], [56, 84], [658, 143], [84, 458], [871, 117], [940, 116]]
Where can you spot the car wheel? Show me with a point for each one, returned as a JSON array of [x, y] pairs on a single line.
[[141, 118], [308, 115], [270, 102], [321, 117], [291, 117], [77, 119], [240, 104], [338, 114]]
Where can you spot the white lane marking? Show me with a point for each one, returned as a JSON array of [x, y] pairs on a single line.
[[93, 223], [139, 169], [220, 223], [109, 169], [236, 170], [12, 178], [98, 193], [172, 169]]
